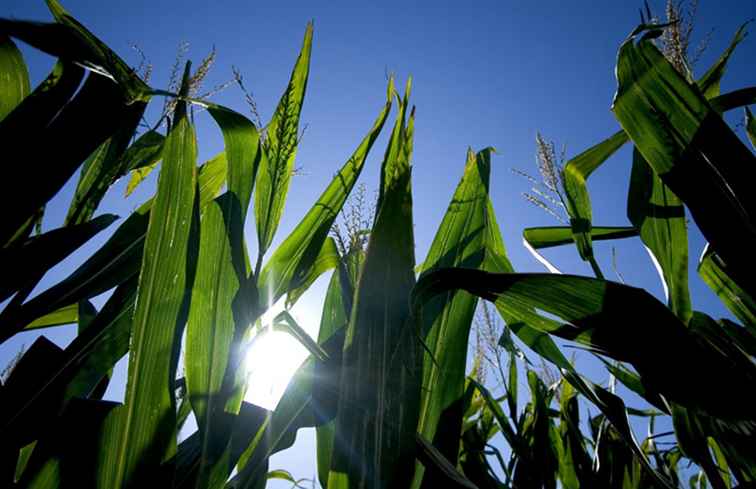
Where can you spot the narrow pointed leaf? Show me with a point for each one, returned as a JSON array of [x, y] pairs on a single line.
[[709, 82], [715, 273], [547, 237], [41, 253], [380, 383], [434, 461], [103, 168], [280, 149], [292, 261], [446, 321], [141, 433], [327, 259]]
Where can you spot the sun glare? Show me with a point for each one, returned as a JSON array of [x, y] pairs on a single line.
[[271, 361]]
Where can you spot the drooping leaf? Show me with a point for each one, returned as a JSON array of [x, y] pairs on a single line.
[[68, 39], [380, 382], [691, 149], [73, 373], [114, 263], [280, 150], [659, 215], [91, 117], [23, 128], [142, 433], [14, 77], [32, 259], [593, 312]]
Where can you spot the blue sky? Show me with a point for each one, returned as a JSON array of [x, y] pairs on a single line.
[[484, 74]]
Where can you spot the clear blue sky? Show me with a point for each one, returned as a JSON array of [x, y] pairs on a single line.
[[485, 74]]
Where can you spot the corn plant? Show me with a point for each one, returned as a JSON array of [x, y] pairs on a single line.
[[386, 384]]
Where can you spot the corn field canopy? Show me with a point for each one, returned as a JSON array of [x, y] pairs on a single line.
[[301, 274]]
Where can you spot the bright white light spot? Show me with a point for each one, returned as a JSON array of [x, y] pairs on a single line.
[[272, 360]]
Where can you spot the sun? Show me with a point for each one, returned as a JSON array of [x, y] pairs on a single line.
[[271, 361]]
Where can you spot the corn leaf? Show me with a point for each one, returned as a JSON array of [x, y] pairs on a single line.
[[715, 273], [750, 124], [141, 433], [293, 260], [73, 373], [22, 129], [327, 259], [41, 253], [380, 383], [280, 149], [576, 172], [710, 81], [434, 461], [65, 315], [547, 237], [691, 148], [446, 321], [114, 263], [214, 314], [103, 168], [592, 313], [659, 215], [90, 118], [14, 77]]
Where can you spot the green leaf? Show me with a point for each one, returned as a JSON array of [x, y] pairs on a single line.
[[327, 258], [215, 317], [446, 321], [22, 129], [659, 215], [37, 255], [434, 461], [114, 263], [90, 118], [281, 474], [103, 168], [691, 149], [335, 316], [73, 373], [380, 383], [716, 274], [750, 124], [293, 260], [142, 433], [547, 237], [576, 172], [142, 157], [280, 149], [709, 82], [595, 313], [65, 315], [14, 77]]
